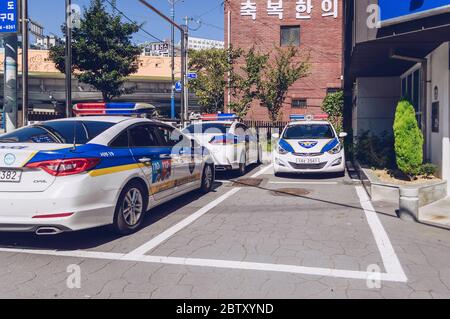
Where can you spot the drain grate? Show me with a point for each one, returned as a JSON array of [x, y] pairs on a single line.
[[290, 192], [247, 182]]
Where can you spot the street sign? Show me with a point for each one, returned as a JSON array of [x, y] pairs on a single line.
[[9, 16], [192, 75], [178, 86]]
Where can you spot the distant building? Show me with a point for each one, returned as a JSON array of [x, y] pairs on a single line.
[[47, 42], [199, 44]]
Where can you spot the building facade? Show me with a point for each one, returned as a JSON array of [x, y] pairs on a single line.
[[397, 49], [314, 26]]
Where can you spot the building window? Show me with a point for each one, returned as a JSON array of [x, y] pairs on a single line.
[[290, 36], [333, 90], [411, 90], [299, 103]]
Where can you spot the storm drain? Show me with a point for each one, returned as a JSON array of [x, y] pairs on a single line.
[[247, 182], [290, 192]]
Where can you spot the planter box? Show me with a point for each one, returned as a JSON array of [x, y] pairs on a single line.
[[386, 192]]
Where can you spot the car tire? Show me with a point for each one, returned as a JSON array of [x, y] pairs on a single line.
[[207, 178], [242, 165], [130, 209]]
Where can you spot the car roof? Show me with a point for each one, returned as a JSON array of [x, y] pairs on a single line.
[[213, 122], [108, 119], [308, 123]]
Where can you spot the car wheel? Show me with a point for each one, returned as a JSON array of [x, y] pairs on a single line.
[[130, 209], [207, 178], [243, 165]]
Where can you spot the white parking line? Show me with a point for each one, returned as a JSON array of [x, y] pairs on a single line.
[[387, 252], [215, 263], [261, 171], [184, 223]]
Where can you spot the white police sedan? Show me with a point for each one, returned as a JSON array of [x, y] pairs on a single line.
[[232, 145], [309, 144], [84, 172]]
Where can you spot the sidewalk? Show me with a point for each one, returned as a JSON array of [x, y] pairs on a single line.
[[437, 213]]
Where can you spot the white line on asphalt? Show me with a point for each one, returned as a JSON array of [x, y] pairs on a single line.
[[223, 181], [306, 183], [214, 263], [390, 259], [261, 171], [184, 223]]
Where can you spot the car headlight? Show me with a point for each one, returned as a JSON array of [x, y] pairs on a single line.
[[281, 150], [336, 149]]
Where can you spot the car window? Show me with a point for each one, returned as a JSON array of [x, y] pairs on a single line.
[[172, 137], [143, 136], [240, 129], [201, 128], [62, 132], [309, 131], [121, 140]]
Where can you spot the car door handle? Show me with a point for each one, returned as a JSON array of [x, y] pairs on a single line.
[[165, 156], [145, 160]]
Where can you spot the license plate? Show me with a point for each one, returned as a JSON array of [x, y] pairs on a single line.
[[308, 160], [10, 176]]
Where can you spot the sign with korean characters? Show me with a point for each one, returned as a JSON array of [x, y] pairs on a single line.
[[280, 8], [8, 16]]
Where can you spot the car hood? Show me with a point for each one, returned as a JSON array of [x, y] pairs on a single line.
[[308, 145]]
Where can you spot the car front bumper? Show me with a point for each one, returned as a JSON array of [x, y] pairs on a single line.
[[327, 163]]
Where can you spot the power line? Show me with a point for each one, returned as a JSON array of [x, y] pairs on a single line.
[[212, 9], [132, 21]]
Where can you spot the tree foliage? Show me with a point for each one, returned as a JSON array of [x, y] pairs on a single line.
[[103, 54], [212, 67], [277, 77], [408, 139], [333, 105]]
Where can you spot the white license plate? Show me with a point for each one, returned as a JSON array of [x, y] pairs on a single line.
[[10, 176], [308, 160]]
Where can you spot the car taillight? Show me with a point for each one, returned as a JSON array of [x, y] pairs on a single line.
[[64, 167], [223, 140]]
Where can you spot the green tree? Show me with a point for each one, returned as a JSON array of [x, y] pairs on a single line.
[[212, 67], [278, 76], [103, 54], [408, 139], [246, 82], [333, 105]]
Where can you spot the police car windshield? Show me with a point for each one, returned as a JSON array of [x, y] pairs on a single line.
[[212, 128], [309, 131], [59, 132]]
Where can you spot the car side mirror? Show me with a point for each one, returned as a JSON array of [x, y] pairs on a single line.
[[275, 135], [343, 134]]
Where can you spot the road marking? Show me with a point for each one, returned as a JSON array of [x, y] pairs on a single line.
[[306, 183], [214, 263], [156, 241], [261, 171], [387, 252]]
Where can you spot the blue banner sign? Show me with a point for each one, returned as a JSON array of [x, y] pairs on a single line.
[[8, 16], [410, 9]]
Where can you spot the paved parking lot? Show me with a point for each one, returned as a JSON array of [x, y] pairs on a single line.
[[259, 237]]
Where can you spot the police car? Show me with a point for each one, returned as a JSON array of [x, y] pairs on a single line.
[[232, 145], [309, 144], [102, 169]]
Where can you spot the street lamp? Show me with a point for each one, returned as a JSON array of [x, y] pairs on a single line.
[[172, 43]]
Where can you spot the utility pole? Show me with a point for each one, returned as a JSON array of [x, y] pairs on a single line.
[[172, 43], [183, 55], [68, 58], [186, 91], [10, 83], [24, 62]]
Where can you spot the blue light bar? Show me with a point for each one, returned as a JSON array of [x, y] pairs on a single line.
[[220, 117], [83, 109]]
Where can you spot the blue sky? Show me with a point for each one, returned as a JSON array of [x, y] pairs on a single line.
[[50, 13]]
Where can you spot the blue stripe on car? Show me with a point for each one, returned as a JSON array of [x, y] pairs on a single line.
[[286, 146], [330, 145]]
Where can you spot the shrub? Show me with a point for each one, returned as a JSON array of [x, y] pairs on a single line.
[[375, 151], [333, 105], [428, 170], [408, 140]]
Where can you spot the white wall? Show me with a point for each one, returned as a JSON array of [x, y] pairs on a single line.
[[375, 103], [439, 75]]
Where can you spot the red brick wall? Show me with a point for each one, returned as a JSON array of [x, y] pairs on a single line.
[[321, 36]]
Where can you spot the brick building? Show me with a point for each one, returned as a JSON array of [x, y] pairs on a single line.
[[315, 26]]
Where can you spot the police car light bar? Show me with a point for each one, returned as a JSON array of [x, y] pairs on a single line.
[[219, 117], [301, 117], [85, 109]]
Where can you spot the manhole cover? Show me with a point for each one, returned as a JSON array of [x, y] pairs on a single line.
[[247, 182], [290, 192]]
